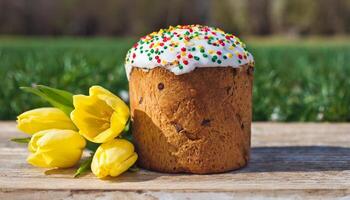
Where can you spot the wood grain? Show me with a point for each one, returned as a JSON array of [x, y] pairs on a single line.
[[296, 160]]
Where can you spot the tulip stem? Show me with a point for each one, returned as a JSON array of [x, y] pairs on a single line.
[[84, 167]]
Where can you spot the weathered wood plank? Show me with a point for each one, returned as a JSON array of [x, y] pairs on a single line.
[[264, 134], [287, 160], [299, 134]]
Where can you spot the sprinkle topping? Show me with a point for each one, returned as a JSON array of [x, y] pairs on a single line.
[[181, 49]]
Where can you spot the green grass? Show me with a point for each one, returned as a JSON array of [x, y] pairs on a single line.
[[298, 80]]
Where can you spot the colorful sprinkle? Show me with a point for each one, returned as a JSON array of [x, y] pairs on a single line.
[[184, 48]]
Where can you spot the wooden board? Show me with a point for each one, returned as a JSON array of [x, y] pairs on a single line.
[[297, 160]]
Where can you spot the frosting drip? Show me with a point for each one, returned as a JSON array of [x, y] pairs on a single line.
[[181, 49]]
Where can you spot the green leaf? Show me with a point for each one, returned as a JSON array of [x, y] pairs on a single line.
[[134, 168], [85, 166], [60, 99], [21, 140], [92, 146], [127, 133], [62, 96]]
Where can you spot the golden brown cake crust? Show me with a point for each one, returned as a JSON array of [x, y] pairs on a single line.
[[199, 122]]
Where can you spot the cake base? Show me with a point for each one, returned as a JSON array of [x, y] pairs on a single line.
[[199, 122]]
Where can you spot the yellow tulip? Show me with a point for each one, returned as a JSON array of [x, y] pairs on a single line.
[[40, 119], [55, 148], [101, 116], [113, 158]]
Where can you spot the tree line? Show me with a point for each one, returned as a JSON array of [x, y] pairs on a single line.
[[138, 17]]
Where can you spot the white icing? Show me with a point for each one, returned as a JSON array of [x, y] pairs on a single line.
[[229, 51]]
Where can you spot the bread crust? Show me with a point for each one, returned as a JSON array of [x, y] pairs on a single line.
[[199, 122]]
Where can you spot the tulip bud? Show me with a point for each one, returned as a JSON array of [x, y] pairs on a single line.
[[113, 158], [40, 119], [55, 148], [101, 116]]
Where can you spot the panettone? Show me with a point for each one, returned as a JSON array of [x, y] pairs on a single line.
[[191, 100]]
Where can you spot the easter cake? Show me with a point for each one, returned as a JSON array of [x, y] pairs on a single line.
[[191, 100]]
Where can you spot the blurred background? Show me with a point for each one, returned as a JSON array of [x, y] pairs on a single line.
[[301, 48]]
